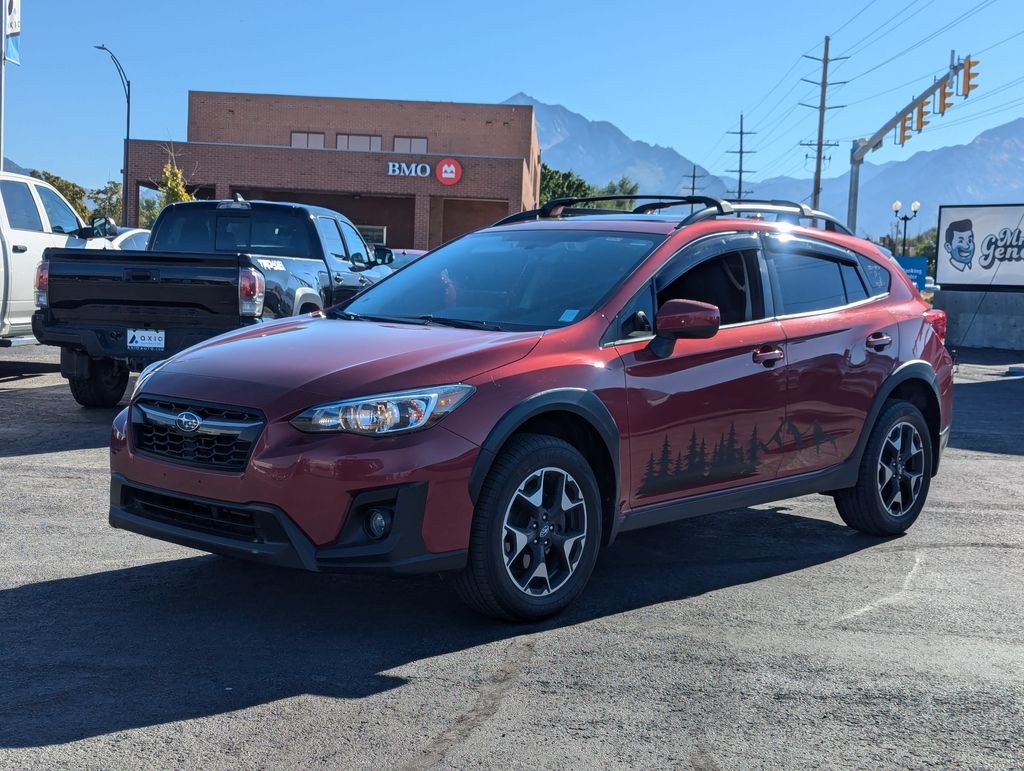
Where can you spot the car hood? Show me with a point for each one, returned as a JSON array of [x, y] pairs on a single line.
[[295, 363]]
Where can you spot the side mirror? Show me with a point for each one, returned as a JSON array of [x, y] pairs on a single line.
[[103, 227], [683, 319], [382, 255]]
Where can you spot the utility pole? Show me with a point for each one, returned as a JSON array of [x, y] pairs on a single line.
[[739, 191], [694, 176], [821, 107]]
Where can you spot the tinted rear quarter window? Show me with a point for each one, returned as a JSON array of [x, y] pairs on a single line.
[[807, 283], [878, 277]]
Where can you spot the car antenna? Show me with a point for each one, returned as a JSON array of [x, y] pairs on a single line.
[[238, 197]]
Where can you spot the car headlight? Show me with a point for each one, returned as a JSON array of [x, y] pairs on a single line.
[[145, 375], [385, 413]]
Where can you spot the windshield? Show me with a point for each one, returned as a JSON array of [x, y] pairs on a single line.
[[515, 280], [275, 232]]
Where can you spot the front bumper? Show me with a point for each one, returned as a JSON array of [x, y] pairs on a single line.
[[265, 534]]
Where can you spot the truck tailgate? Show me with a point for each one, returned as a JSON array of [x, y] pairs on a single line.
[[164, 290]]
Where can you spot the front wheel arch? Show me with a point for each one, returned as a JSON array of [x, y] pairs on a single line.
[[574, 415]]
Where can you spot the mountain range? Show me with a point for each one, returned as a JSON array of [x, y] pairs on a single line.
[[990, 169]]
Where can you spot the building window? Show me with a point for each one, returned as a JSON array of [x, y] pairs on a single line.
[[410, 145], [358, 142], [374, 234], [308, 140]]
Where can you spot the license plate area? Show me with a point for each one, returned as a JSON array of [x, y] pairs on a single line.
[[145, 339]]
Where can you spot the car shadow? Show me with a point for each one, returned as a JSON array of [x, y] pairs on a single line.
[[12, 371], [984, 413], [188, 638]]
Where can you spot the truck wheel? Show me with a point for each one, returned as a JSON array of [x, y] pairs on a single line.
[[536, 531], [895, 474], [105, 386]]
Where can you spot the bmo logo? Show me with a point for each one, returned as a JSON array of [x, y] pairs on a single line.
[[396, 169], [449, 171]]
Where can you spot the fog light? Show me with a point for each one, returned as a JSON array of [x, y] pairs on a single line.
[[378, 523]]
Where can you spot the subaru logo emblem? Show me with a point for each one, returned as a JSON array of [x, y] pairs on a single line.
[[188, 422]]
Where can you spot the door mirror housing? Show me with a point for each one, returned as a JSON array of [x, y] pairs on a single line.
[[683, 319], [382, 255], [102, 227]]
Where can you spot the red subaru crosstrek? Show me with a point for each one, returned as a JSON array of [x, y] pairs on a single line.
[[505, 406]]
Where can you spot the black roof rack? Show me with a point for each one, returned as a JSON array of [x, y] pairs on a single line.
[[786, 211]]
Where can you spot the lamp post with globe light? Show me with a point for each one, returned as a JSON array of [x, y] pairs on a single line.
[[905, 218]]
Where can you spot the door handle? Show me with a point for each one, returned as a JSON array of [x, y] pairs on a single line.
[[339, 277], [768, 355], [878, 341], [19, 248]]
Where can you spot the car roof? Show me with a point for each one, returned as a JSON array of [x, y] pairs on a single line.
[[260, 204]]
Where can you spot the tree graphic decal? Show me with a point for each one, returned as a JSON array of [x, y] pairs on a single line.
[[730, 459]]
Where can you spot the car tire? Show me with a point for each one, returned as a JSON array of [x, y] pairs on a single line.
[[522, 496], [896, 466], [105, 386]]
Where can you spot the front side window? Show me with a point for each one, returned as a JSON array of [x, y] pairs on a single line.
[[354, 240], [729, 281], [331, 237], [510, 280], [62, 219], [22, 213], [806, 283]]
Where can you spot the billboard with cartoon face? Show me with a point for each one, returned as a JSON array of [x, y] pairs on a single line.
[[981, 246]]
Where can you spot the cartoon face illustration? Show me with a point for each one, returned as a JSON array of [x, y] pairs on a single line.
[[959, 243]]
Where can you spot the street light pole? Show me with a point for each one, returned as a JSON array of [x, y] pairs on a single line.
[[127, 86], [905, 218]]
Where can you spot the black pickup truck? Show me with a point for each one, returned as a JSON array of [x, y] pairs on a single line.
[[210, 267]]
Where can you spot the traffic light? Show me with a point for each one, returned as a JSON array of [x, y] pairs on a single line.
[[945, 97], [904, 129], [969, 75], [922, 110]]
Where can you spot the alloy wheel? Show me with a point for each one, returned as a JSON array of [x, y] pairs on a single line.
[[901, 469], [544, 531]]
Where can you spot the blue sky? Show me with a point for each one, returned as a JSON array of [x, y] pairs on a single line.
[[672, 73]]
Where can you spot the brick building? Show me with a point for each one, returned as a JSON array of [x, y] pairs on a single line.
[[410, 174]]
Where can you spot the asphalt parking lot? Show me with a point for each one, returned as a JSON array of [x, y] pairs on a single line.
[[764, 637]]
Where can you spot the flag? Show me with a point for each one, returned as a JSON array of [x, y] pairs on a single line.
[[12, 46]]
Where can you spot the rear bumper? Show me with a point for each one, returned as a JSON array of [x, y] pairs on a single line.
[[275, 539], [110, 342]]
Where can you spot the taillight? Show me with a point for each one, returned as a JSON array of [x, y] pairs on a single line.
[[42, 283], [937, 319], [251, 287]]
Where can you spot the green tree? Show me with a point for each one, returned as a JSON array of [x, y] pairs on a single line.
[[624, 186], [561, 184], [923, 245], [107, 200], [149, 209], [74, 194]]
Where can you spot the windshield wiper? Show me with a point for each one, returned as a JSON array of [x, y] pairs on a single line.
[[460, 323], [370, 317]]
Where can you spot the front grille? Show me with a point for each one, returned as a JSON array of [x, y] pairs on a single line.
[[216, 519], [223, 441]]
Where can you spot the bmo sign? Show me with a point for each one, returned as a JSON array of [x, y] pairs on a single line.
[[448, 170]]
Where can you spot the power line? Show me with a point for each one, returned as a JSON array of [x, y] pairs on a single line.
[[948, 26], [846, 23], [853, 49]]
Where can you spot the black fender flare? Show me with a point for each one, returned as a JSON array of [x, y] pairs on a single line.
[[917, 369], [578, 401]]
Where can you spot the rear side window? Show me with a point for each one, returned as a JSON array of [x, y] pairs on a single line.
[[331, 236], [281, 233], [807, 283], [22, 213], [878, 277]]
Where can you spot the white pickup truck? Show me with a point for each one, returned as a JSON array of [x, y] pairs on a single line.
[[33, 216]]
